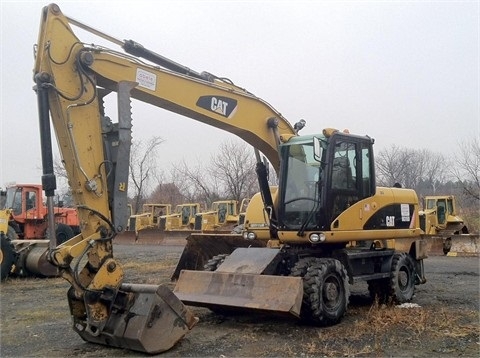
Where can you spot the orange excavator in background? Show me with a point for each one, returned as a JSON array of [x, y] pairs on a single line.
[[324, 219], [23, 231]]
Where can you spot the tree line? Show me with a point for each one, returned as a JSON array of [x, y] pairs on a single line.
[[230, 174]]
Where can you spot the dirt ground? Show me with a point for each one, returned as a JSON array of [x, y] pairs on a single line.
[[443, 322]]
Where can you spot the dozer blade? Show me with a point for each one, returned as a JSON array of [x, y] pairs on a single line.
[[125, 238], [153, 236], [157, 236], [145, 318], [465, 245], [200, 248], [279, 294]]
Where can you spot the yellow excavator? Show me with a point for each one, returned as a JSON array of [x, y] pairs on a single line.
[[329, 226]]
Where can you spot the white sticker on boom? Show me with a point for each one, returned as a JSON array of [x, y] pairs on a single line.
[[146, 79], [405, 210]]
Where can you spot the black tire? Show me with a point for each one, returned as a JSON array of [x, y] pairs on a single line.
[[402, 277], [63, 233], [299, 270], [214, 262], [7, 257], [301, 266], [326, 292]]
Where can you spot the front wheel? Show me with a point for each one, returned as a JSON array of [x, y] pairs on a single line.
[[326, 292], [402, 277]]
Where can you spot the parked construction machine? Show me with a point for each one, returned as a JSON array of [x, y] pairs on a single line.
[[148, 219], [23, 231], [223, 215], [182, 219], [439, 219], [324, 221]]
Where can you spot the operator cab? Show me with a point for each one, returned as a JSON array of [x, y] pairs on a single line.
[[321, 176]]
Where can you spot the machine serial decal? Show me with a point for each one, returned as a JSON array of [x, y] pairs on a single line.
[[221, 105], [146, 79]]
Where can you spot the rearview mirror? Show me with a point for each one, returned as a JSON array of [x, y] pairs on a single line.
[[317, 149]]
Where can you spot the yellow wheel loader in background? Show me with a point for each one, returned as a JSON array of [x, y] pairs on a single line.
[[323, 222]]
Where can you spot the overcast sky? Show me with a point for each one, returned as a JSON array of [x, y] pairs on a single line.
[[403, 72]]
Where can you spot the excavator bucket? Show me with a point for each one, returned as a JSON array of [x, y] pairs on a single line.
[[243, 282], [201, 247], [144, 318]]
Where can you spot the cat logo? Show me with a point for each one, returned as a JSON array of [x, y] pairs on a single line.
[[223, 106]]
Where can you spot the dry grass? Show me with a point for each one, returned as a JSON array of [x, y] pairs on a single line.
[[148, 267], [389, 325], [373, 331]]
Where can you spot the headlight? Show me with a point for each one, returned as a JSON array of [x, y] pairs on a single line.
[[317, 237], [249, 235]]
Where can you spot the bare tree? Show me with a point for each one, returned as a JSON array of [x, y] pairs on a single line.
[[393, 166], [234, 167], [230, 174], [142, 168], [410, 167], [195, 182], [167, 193], [467, 168], [59, 169], [435, 169]]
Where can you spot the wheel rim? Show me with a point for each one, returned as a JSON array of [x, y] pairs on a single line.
[[331, 292], [403, 278]]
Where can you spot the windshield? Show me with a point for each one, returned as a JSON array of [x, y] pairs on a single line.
[[14, 200], [302, 176]]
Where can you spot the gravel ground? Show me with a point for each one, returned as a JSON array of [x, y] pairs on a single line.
[[443, 320]]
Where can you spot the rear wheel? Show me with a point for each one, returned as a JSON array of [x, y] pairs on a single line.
[[7, 257], [326, 292], [402, 277], [63, 233]]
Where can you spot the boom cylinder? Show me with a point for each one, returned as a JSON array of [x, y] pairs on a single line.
[[48, 178]]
